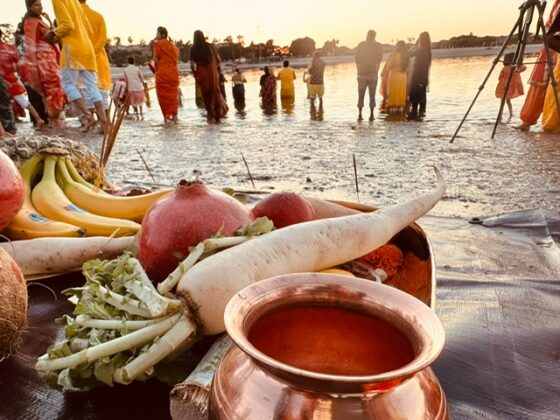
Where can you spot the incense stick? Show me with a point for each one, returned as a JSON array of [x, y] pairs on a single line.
[[356, 177], [248, 171], [147, 167]]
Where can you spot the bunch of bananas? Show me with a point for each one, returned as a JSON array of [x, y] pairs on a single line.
[[63, 204]]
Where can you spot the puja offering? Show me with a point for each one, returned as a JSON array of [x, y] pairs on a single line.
[[123, 326], [313, 343]]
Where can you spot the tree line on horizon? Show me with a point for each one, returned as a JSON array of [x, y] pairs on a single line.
[[300, 47], [237, 50]]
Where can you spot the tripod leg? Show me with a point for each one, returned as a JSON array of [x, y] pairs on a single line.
[[553, 80], [517, 61], [496, 61]]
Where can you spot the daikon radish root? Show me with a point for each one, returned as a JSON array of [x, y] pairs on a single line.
[[304, 247], [58, 255], [13, 305], [325, 209]]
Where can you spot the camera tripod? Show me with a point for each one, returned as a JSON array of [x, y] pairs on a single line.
[[521, 27]]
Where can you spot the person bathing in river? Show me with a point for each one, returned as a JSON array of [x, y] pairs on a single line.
[[268, 89], [368, 58], [395, 70], [420, 77], [238, 89], [287, 76], [316, 87], [204, 66], [516, 86], [135, 87], [166, 56]]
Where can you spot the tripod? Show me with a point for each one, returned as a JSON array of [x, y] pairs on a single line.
[[521, 27]]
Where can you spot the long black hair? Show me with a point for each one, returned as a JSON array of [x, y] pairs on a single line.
[[201, 51], [162, 31], [425, 42], [405, 57]]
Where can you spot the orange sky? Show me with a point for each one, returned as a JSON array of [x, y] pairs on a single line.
[[259, 20]]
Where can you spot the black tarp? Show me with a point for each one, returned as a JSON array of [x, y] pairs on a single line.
[[498, 295]]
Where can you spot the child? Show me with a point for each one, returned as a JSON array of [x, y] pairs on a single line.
[[516, 86], [135, 87]]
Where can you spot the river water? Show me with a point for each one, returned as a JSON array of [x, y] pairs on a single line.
[[311, 151]]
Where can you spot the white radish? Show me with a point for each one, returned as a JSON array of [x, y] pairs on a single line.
[[58, 255], [304, 247], [325, 209]]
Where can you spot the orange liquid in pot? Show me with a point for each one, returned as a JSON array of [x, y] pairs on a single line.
[[331, 340]]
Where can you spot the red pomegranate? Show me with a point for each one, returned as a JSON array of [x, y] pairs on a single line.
[[12, 190], [183, 219]]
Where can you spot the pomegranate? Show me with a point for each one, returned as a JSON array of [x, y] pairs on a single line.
[[284, 209], [12, 190], [183, 219]]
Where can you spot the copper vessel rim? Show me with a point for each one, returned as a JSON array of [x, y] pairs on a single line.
[[430, 346]]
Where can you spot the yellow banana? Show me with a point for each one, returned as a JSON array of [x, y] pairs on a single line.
[[28, 223], [78, 178], [132, 208], [50, 200]]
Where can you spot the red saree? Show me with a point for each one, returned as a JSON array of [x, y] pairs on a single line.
[[208, 79], [42, 58], [166, 56]]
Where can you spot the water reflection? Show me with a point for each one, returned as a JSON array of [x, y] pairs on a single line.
[[288, 104], [316, 113], [286, 147]]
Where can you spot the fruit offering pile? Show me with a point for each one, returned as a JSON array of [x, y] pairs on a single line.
[[59, 202]]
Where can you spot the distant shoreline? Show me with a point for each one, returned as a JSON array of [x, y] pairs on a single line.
[[302, 62]]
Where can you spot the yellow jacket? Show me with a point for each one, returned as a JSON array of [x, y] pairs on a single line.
[[73, 30], [99, 39]]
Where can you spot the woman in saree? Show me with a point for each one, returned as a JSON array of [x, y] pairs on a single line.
[[538, 81], [204, 65], [420, 77], [166, 56], [551, 113], [268, 89], [397, 88], [42, 57]]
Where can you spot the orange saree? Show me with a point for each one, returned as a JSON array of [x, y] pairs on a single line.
[[166, 56]]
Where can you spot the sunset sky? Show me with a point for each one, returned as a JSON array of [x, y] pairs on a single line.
[[258, 20]]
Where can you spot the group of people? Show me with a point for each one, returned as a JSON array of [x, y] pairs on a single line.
[[57, 62], [64, 61], [403, 86]]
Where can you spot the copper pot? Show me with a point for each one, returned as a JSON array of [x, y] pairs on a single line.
[[250, 385]]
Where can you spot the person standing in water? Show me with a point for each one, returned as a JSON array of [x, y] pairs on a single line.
[[287, 89], [368, 58], [420, 78], [316, 87], [204, 66], [515, 88], [77, 59], [166, 56], [268, 90], [135, 87], [238, 89]]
